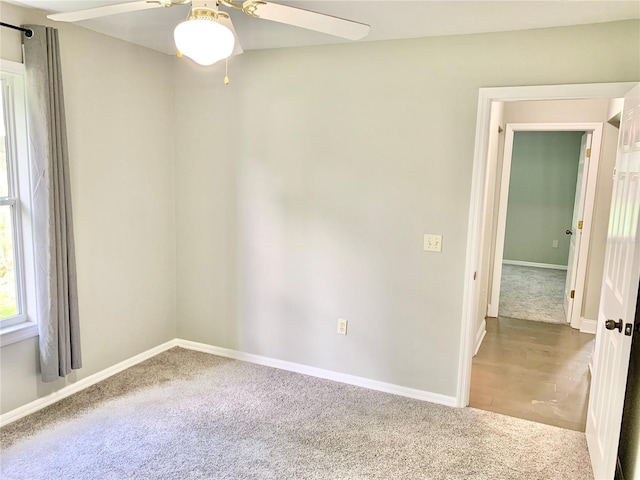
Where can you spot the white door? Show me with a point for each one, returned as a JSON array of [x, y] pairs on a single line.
[[576, 227], [618, 298]]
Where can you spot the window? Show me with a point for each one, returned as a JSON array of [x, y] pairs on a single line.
[[17, 302]]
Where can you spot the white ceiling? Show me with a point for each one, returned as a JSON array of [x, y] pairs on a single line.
[[388, 19]]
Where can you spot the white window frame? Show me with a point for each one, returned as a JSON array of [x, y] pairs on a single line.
[[24, 325]]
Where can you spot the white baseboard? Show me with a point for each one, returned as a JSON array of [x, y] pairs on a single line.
[[81, 384], [588, 326], [321, 373], [482, 331], [534, 264]]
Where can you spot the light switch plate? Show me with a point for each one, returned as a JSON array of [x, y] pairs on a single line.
[[342, 326], [432, 243]]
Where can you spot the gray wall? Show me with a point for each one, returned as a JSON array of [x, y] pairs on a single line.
[[295, 195], [542, 186], [119, 100], [324, 168]]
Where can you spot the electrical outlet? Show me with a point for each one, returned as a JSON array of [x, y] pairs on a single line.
[[432, 243], [342, 326], [554, 244]]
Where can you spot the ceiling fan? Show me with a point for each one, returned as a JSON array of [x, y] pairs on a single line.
[[208, 36]]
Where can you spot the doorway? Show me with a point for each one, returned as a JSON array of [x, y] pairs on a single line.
[[544, 217], [607, 410], [473, 317], [532, 364]]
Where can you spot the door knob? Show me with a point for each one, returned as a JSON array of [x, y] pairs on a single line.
[[613, 325], [569, 232]]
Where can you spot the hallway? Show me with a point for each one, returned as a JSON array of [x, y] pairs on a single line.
[[533, 370]]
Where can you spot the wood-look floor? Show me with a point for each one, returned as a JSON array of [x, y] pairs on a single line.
[[533, 370]]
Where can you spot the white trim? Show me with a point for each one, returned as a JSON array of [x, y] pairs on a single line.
[[534, 264], [8, 66], [75, 387], [588, 326], [587, 220], [12, 321], [501, 224], [482, 331], [18, 332], [320, 373], [81, 384], [589, 195], [12, 77], [471, 293]]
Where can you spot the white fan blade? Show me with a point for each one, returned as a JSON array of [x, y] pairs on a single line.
[[102, 11], [237, 48], [319, 22]]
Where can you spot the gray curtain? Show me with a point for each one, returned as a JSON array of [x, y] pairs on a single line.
[[57, 298]]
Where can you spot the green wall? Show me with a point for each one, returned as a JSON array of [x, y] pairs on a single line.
[[542, 188]]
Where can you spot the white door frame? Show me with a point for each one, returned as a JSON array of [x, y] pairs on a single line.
[[592, 175], [471, 298]]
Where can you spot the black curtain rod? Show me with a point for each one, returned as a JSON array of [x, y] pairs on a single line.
[[27, 32]]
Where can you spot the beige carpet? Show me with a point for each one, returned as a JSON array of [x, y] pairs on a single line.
[[530, 293], [189, 415]]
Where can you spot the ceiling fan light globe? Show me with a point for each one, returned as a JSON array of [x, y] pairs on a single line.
[[204, 41]]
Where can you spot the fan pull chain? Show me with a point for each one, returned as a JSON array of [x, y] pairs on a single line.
[[226, 71]]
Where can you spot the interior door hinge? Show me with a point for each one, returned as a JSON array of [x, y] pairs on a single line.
[[588, 153], [572, 294], [580, 225]]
